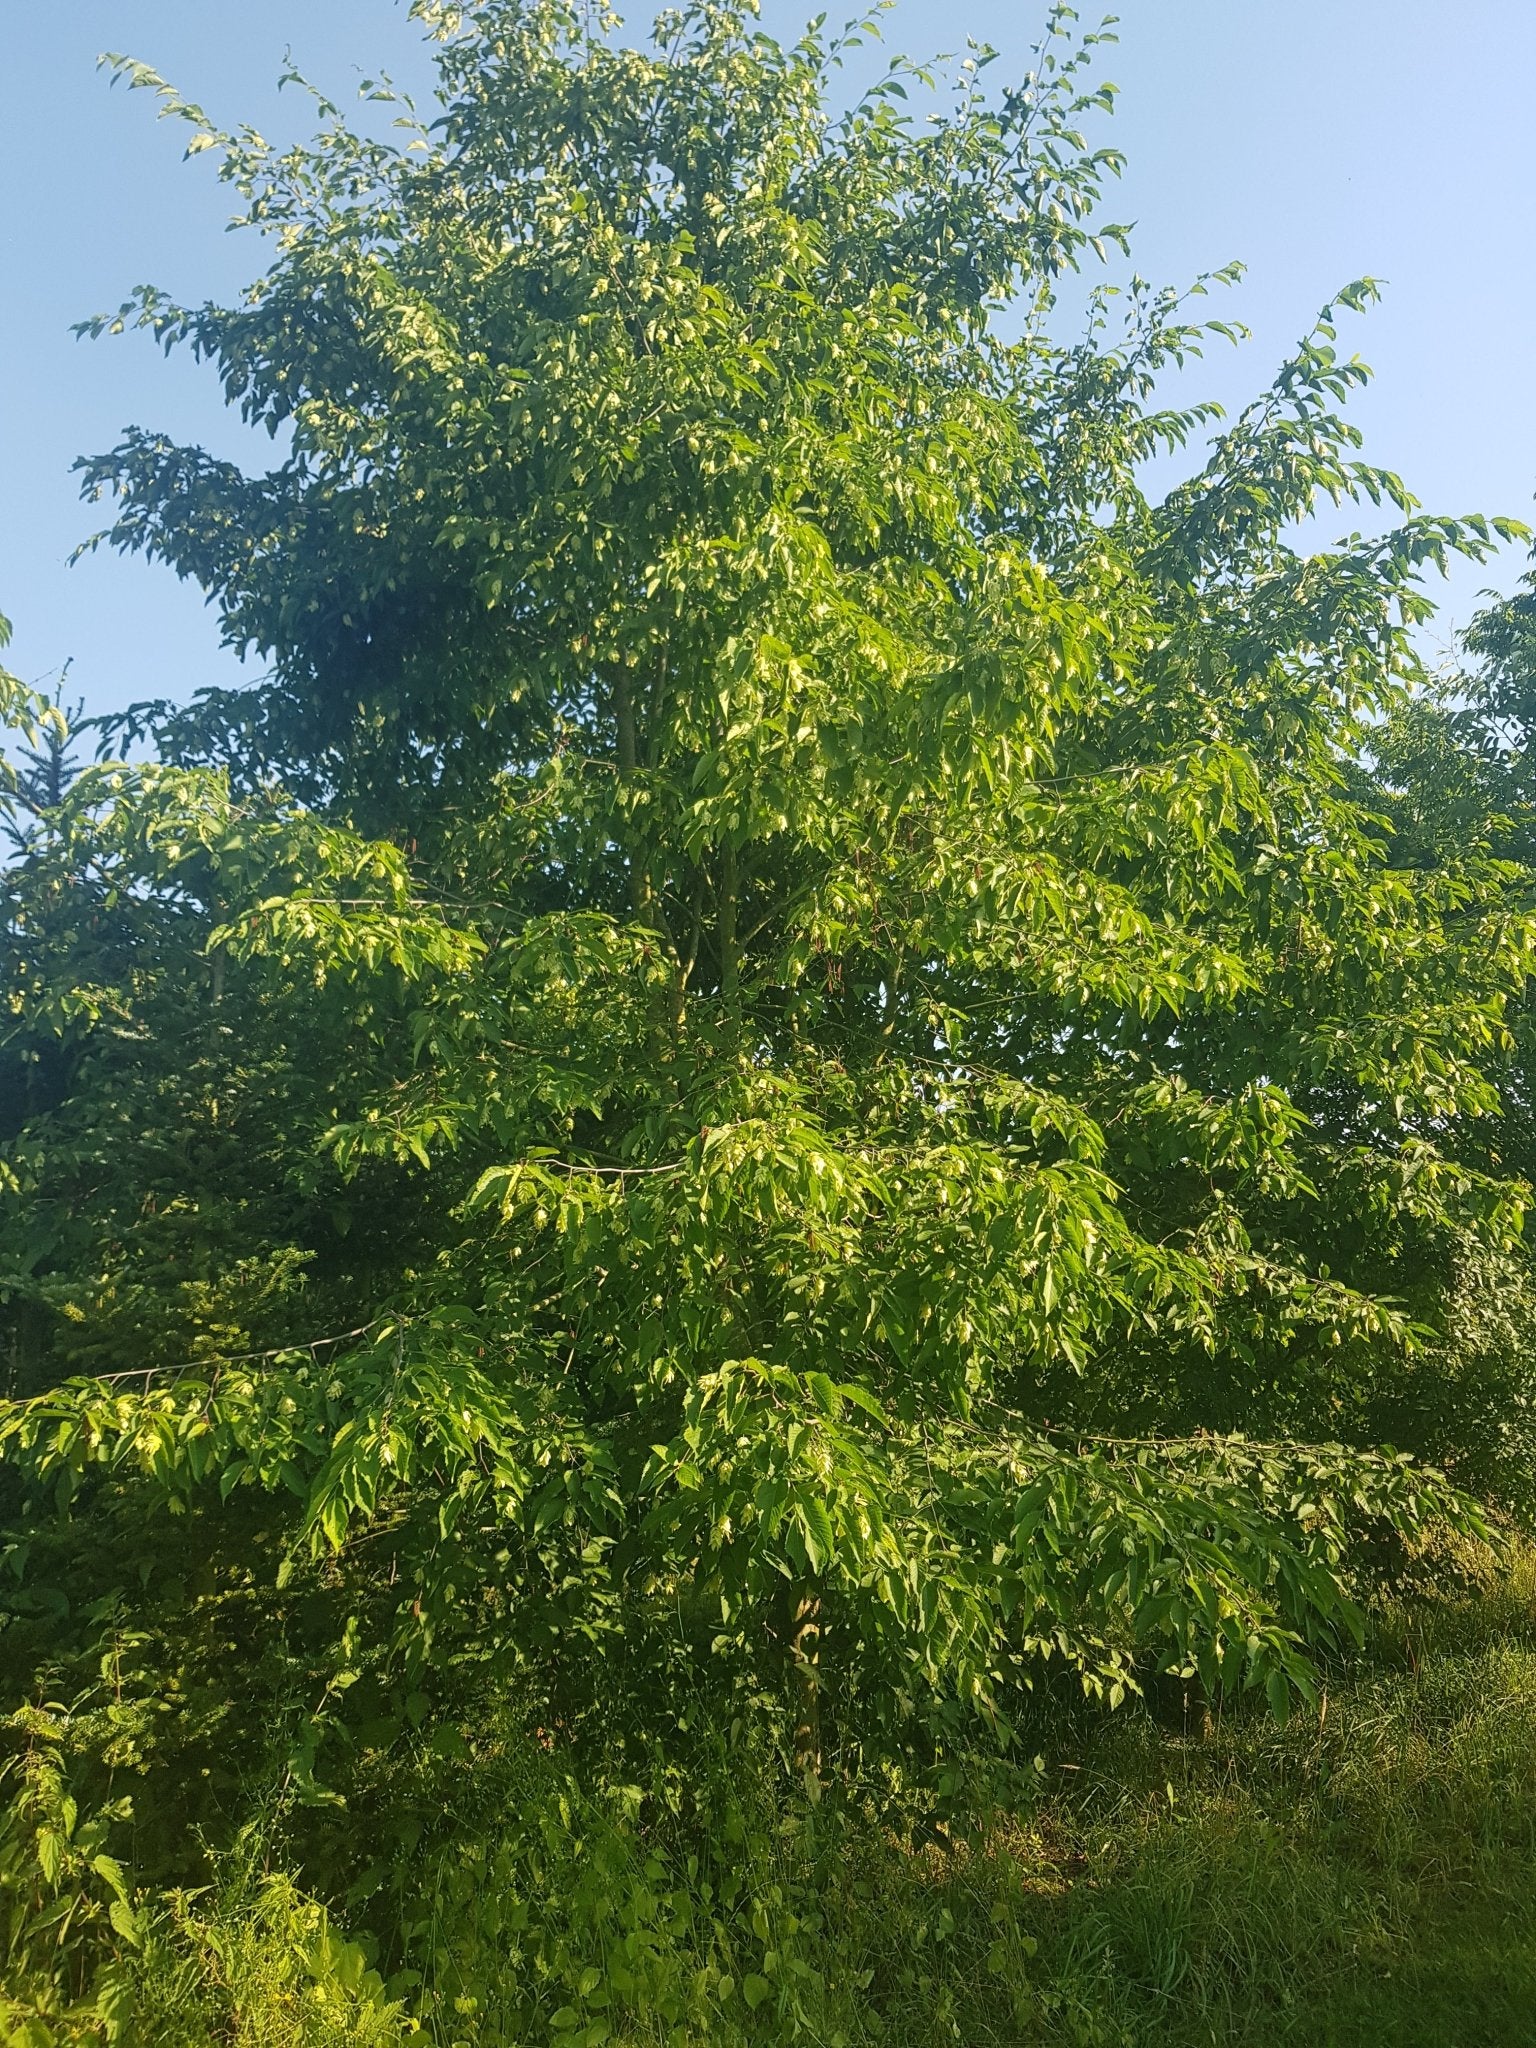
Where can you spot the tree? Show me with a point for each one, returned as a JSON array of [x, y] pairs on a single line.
[[1450, 767], [840, 951]]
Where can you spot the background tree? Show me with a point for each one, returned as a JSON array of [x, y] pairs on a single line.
[[1451, 768]]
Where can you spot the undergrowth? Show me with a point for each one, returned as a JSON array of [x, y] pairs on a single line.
[[1364, 1874]]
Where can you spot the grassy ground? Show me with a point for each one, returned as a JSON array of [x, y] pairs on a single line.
[[1368, 1878], [1362, 1878], [1365, 1876]]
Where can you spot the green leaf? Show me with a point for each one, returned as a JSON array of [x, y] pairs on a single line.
[[820, 1539], [126, 1922]]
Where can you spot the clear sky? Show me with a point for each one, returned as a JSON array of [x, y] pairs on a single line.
[[1317, 140]]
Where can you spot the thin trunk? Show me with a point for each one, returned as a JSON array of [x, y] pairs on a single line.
[[1198, 1717], [215, 979], [805, 1679], [641, 896], [644, 899], [730, 956]]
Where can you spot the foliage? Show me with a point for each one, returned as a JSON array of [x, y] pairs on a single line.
[[1452, 769], [801, 1066]]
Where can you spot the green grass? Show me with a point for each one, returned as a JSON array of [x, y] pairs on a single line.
[[1364, 1877]]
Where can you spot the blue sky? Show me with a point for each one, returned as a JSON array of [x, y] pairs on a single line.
[[1317, 140]]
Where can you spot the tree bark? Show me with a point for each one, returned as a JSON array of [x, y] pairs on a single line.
[[626, 747], [730, 956], [644, 899], [805, 1678]]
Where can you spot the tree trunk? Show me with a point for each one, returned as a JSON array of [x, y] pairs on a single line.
[[627, 749], [730, 958], [644, 899], [805, 1679]]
